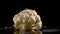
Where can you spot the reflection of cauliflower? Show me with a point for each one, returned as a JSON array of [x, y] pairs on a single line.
[[27, 19]]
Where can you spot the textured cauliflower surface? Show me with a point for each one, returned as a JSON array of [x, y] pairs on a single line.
[[27, 19]]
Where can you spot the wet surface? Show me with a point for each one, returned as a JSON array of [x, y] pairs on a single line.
[[43, 31]]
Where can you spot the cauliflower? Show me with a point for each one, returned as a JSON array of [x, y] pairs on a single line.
[[27, 19]]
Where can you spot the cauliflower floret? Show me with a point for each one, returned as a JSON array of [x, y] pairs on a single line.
[[27, 19]]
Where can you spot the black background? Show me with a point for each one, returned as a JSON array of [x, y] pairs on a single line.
[[49, 11]]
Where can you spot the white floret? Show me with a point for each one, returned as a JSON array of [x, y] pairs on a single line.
[[28, 16]]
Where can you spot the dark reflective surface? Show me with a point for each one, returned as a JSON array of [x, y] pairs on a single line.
[[44, 31]]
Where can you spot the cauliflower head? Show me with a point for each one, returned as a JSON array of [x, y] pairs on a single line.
[[27, 19]]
